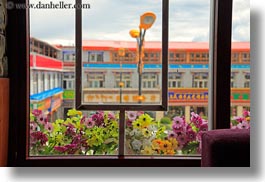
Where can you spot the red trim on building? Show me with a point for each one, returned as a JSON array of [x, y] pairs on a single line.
[[45, 62]]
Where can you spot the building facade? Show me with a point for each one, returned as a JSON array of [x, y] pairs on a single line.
[[108, 77], [46, 68]]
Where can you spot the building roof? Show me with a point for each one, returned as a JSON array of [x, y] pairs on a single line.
[[156, 45]]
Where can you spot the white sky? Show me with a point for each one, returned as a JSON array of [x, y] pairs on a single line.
[[113, 19]]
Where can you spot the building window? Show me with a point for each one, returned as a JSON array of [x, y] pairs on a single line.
[[247, 80], [200, 57], [150, 80], [96, 80], [233, 85], [200, 80], [124, 79], [174, 80], [235, 57], [245, 57], [177, 57], [35, 82], [95, 56]]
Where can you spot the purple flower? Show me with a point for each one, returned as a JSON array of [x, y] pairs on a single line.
[[48, 127], [33, 126], [60, 148], [191, 135], [36, 112], [172, 134], [89, 123], [42, 119], [196, 119], [70, 130], [178, 121], [246, 113], [111, 115], [131, 115], [83, 119], [204, 127], [98, 118], [182, 138], [243, 125], [176, 128], [239, 119], [38, 136], [129, 123], [139, 113]]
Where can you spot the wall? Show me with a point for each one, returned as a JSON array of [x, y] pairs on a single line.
[[3, 58]]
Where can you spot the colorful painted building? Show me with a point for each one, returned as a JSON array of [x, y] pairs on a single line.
[[46, 68], [103, 71]]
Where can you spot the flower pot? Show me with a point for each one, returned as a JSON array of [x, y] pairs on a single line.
[[4, 120]]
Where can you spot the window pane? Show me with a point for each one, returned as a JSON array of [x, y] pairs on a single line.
[[240, 66], [128, 77], [56, 128]]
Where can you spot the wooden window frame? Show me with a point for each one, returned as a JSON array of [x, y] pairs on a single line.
[[18, 41]]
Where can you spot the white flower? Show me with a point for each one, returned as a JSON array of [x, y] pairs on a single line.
[[136, 144], [135, 132]]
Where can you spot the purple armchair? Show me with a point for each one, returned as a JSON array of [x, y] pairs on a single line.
[[226, 148]]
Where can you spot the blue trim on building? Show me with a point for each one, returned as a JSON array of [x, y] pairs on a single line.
[[159, 66], [46, 94]]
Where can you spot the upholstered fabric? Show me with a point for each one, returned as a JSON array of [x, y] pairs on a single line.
[[226, 148]]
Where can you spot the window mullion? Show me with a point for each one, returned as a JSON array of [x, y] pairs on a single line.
[[220, 63]]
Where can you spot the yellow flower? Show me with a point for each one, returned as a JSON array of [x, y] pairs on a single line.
[[145, 120], [169, 152], [165, 145], [147, 151], [248, 119], [137, 124], [174, 143], [146, 133], [79, 113]]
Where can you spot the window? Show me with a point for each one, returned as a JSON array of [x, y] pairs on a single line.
[[150, 80], [233, 84], [95, 56], [174, 80], [177, 57], [95, 80], [200, 80], [80, 160], [123, 79], [247, 80]]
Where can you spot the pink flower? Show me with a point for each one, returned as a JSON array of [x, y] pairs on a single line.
[[139, 113], [204, 127], [131, 115], [246, 113], [60, 148], [33, 126], [36, 112], [182, 139], [48, 126], [83, 119], [38, 136], [171, 134], [129, 123], [239, 119], [98, 118], [197, 120], [191, 135], [42, 119], [89, 123], [111, 115], [177, 128], [178, 121], [243, 125]]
